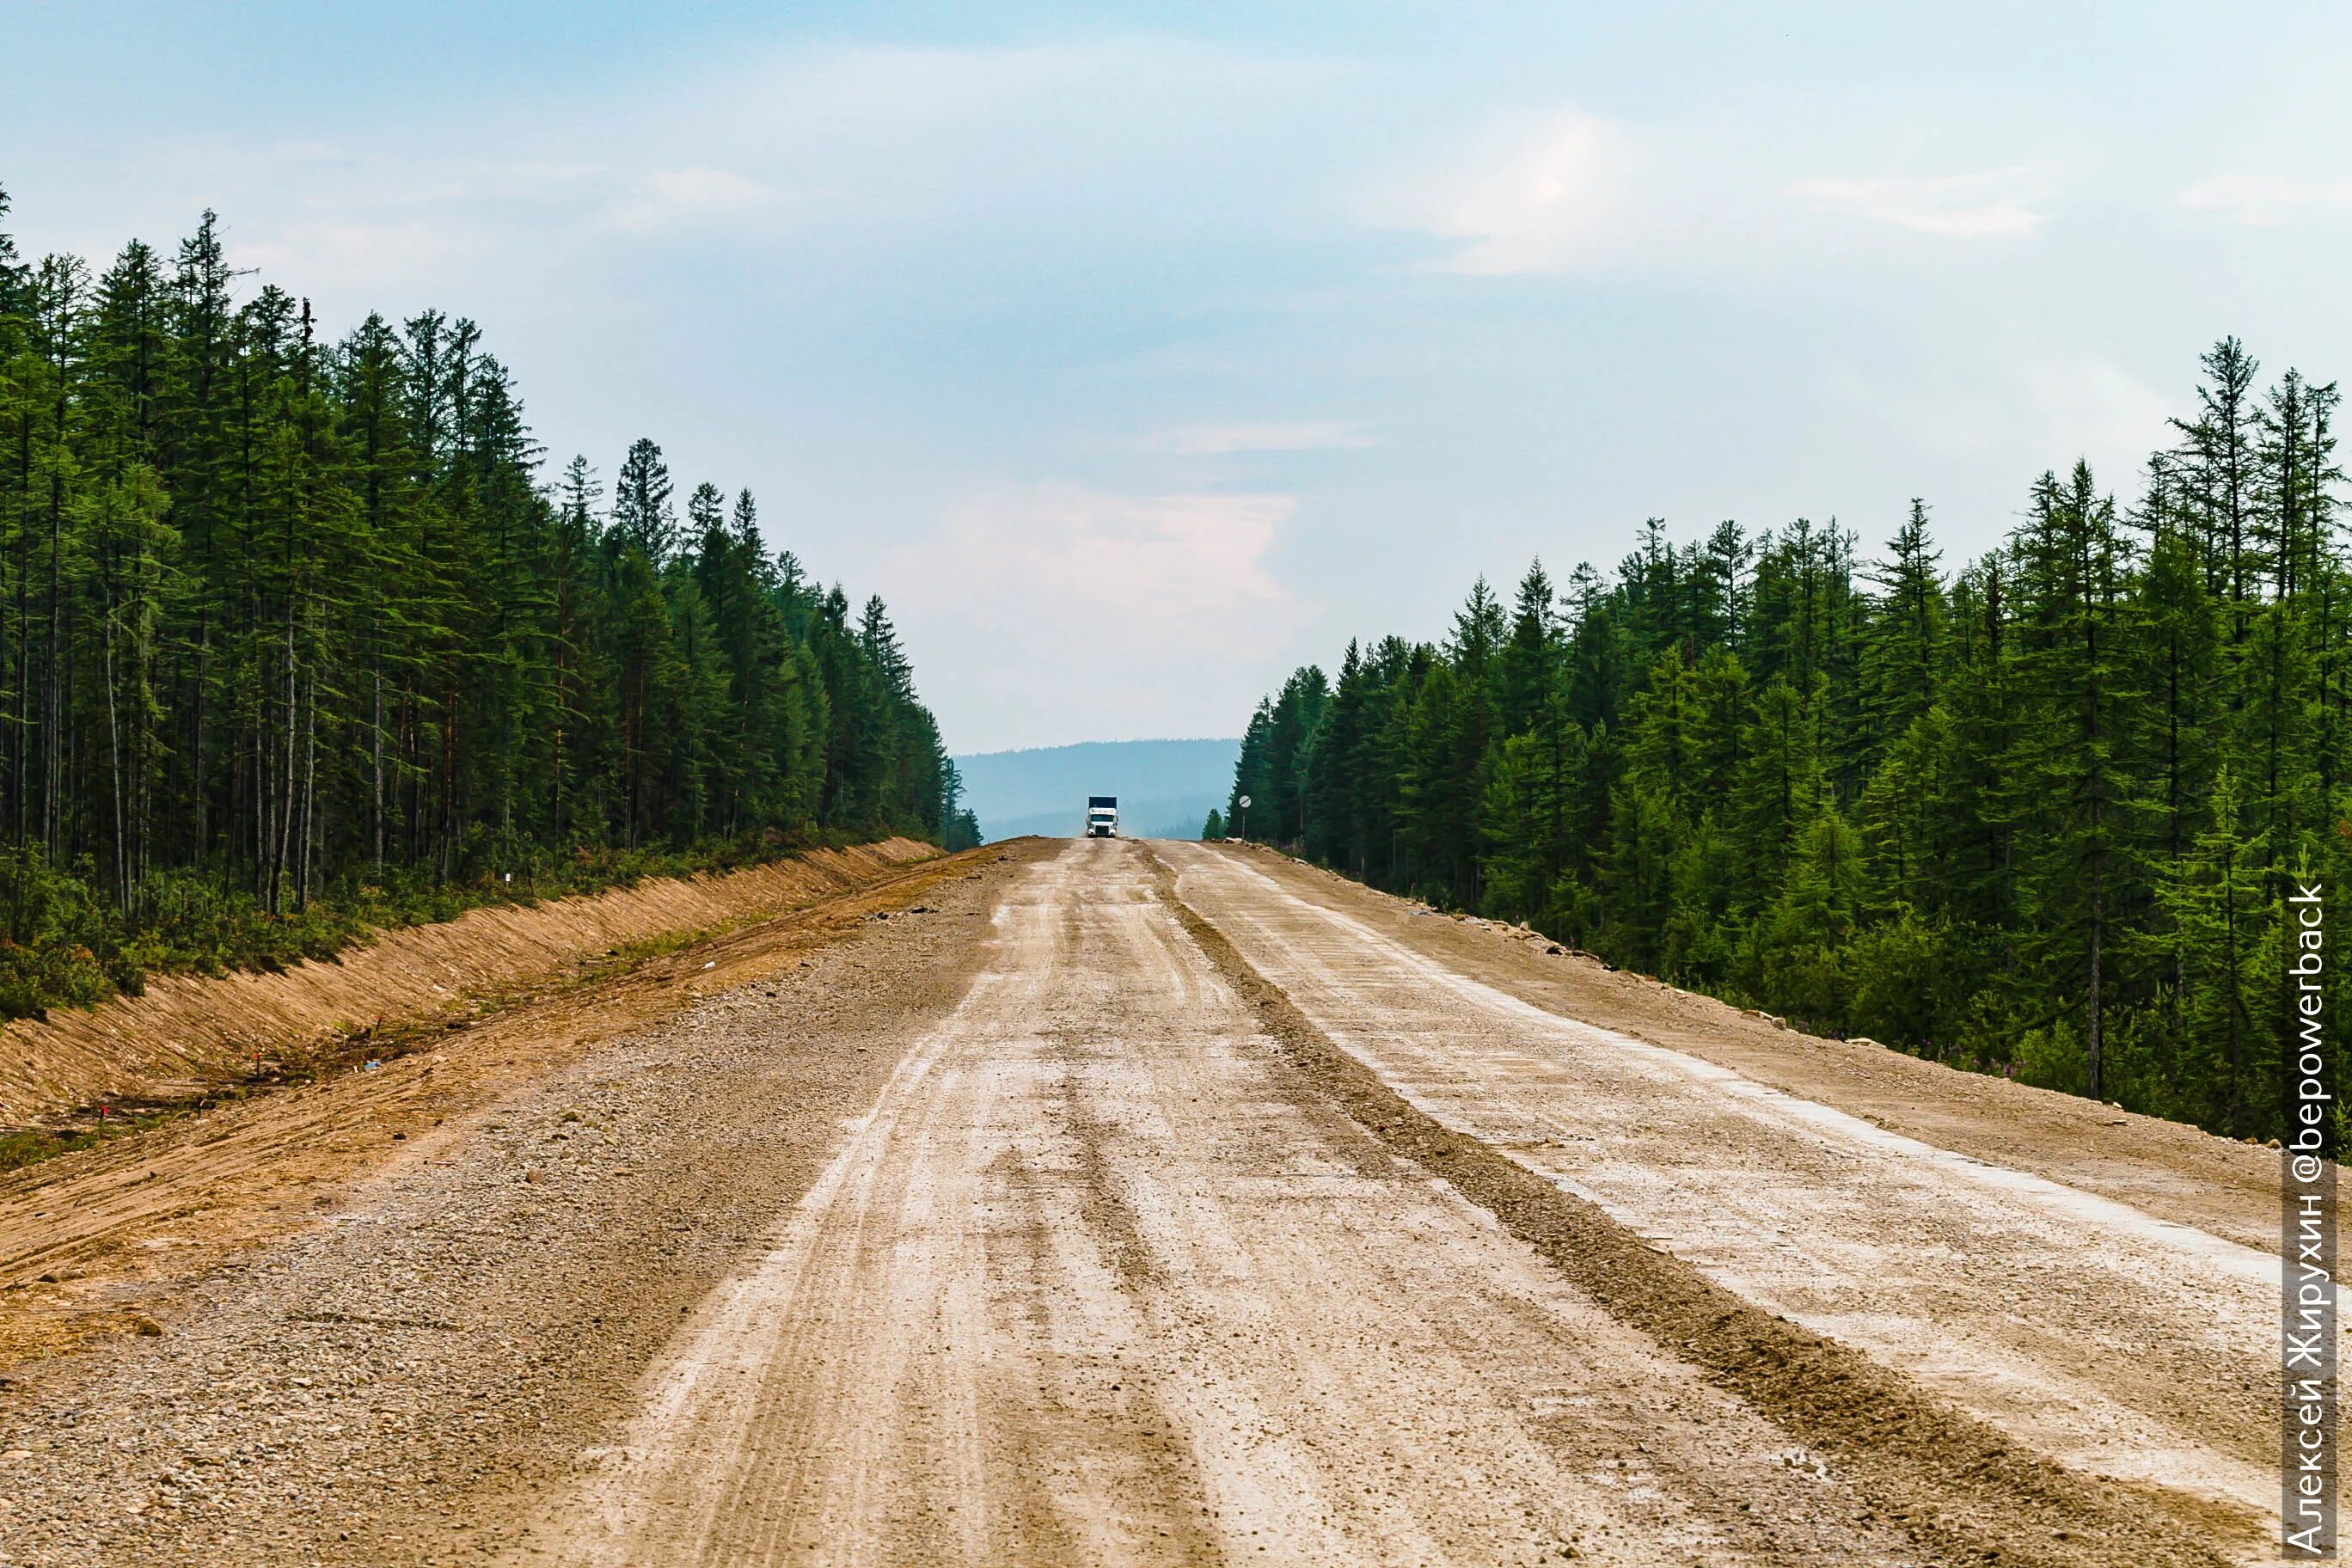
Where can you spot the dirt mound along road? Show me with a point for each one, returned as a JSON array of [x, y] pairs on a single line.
[[188, 1034], [1086, 1212], [95, 1242]]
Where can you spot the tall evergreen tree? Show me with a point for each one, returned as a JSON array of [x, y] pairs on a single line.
[[642, 517]]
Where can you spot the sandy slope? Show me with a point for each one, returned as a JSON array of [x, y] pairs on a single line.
[[186, 1033]]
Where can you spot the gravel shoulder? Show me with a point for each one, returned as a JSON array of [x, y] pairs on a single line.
[[374, 1307]]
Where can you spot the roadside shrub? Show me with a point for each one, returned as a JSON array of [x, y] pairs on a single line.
[[2050, 1057], [62, 943]]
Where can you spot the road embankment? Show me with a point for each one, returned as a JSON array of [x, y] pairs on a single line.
[[186, 1035]]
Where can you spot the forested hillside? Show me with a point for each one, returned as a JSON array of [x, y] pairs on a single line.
[[2043, 814], [294, 636]]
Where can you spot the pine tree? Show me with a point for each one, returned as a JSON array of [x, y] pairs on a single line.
[[1529, 656], [642, 519], [2217, 907], [2218, 464], [2070, 660], [1903, 656]]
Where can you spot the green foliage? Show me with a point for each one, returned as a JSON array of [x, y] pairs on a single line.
[[2040, 816], [25, 1146], [294, 642], [59, 946]]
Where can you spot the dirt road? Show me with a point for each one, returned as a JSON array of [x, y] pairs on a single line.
[[1139, 1204]]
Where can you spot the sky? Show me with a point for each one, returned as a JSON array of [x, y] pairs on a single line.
[[1136, 353]]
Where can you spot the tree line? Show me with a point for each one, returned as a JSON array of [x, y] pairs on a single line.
[[2045, 815], [287, 618]]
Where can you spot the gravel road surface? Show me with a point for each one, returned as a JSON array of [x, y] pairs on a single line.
[[1109, 1203]]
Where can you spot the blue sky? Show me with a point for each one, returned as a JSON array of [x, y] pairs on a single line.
[[1136, 353]]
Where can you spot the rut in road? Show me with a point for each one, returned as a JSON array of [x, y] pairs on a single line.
[[2122, 1345], [1101, 1279]]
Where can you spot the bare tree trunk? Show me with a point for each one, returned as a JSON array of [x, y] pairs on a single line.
[[310, 797], [286, 794], [261, 768], [376, 725], [114, 769], [52, 760], [2091, 1029]]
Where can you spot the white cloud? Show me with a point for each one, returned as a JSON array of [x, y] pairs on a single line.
[[2265, 199], [1988, 205], [1292, 436], [360, 254], [1552, 196], [665, 196], [1066, 613], [835, 140]]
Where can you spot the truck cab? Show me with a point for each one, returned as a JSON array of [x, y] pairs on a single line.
[[1102, 816]]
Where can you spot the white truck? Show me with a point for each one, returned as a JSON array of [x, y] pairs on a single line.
[[1102, 816]]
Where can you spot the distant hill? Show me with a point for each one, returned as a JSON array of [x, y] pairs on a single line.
[[1165, 787]]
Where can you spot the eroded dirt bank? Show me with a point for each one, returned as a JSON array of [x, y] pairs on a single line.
[[186, 1033]]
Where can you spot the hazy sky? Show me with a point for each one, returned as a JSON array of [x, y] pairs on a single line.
[[1136, 353]]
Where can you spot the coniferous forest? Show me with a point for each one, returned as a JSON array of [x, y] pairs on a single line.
[[297, 637], [2040, 815]]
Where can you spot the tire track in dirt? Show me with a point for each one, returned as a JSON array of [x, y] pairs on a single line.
[[393, 1379], [1956, 1480], [1104, 1279]]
